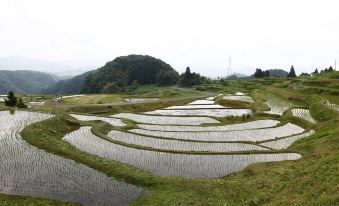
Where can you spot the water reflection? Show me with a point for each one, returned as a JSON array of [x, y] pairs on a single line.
[[25, 170]]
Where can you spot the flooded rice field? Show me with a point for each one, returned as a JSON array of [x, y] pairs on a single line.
[[253, 135], [202, 101], [303, 114], [147, 119], [203, 112], [26, 170], [176, 145], [169, 164], [243, 98], [203, 106], [286, 142], [112, 121], [242, 126]]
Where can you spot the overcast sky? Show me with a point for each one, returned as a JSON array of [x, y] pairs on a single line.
[[199, 34]]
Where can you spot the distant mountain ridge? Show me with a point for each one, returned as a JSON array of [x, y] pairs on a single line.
[[57, 68], [25, 81], [74, 85]]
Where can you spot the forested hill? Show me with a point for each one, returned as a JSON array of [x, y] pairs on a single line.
[[74, 85], [117, 74], [25, 81], [125, 70]]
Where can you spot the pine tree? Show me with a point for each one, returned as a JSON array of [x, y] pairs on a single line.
[[292, 72], [21, 104], [11, 100], [315, 72]]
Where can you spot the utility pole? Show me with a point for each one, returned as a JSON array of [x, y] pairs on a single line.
[[229, 68], [335, 65]]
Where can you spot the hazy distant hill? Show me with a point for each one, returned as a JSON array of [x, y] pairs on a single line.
[[235, 76], [274, 73], [25, 81], [57, 68], [278, 73], [73, 85]]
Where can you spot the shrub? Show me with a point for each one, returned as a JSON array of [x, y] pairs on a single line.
[[11, 100], [320, 112], [21, 104]]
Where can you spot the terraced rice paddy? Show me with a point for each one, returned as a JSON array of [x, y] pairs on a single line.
[[112, 121], [26, 170], [303, 114], [254, 135], [203, 112], [212, 98], [176, 145], [240, 94], [206, 106], [243, 126], [201, 101], [332, 105], [147, 119], [243, 98], [137, 100], [277, 105], [286, 142], [168, 164]]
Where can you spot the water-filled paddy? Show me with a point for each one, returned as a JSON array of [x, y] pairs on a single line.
[[303, 114], [168, 164], [203, 112], [286, 142], [26, 170], [203, 106], [176, 145], [242, 126], [112, 121], [253, 135], [147, 119]]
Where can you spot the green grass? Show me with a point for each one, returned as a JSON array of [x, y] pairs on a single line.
[[90, 99], [13, 200], [113, 109], [152, 91]]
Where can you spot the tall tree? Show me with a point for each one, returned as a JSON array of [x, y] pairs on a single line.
[[11, 100], [292, 72], [186, 79], [315, 72]]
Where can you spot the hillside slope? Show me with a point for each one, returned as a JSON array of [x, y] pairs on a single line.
[[122, 71], [117, 74], [25, 81], [74, 85]]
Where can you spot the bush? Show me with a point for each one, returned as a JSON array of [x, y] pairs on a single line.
[[21, 104], [11, 100], [320, 112]]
